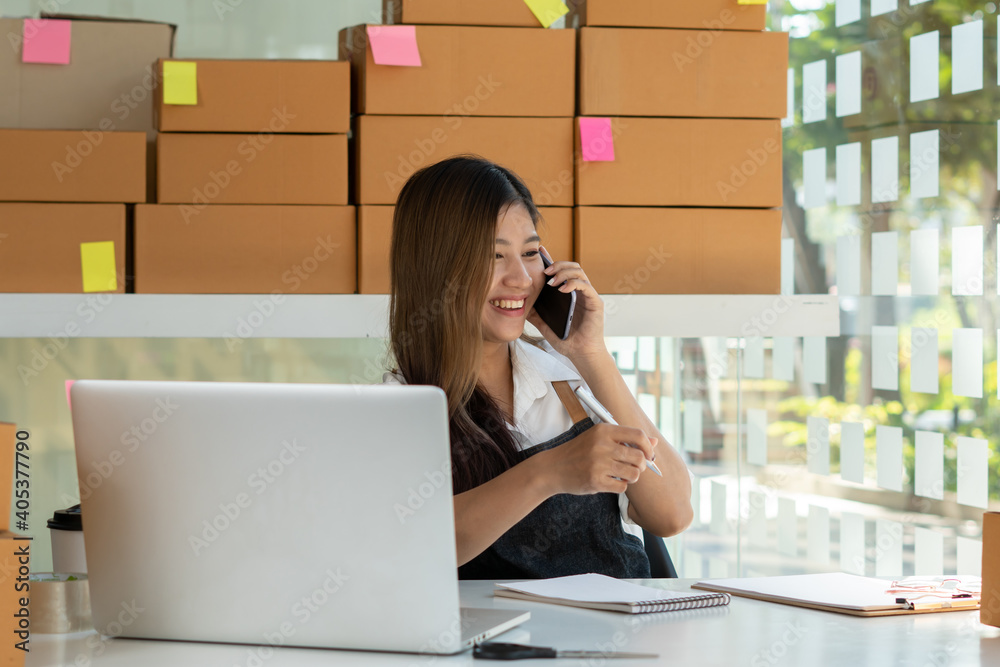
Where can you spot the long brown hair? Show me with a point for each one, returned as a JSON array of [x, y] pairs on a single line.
[[443, 233]]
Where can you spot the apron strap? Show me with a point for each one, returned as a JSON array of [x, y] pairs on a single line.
[[569, 400]]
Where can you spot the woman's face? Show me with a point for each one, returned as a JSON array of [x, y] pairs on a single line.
[[517, 276]]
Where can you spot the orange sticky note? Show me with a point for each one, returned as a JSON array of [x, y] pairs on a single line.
[[394, 45], [547, 11], [97, 261], [69, 384], [180, 82], [596, 140], [46, 41]]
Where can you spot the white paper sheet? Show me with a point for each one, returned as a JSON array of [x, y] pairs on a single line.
[[666, 424], [814, 177], [787, 527], [757, 519], [925, 166], [818, 535], [885, 263], [925, 274], [885, 170], [973, 471], [788, 266], [929, 464], [818, 445], [719, 524], [928, 552], [592, 588], [849, 84], [967, 57], [885, 358], [647, 353], [967, 260], [967, 363], [648, 404], [814, 92], [789, 119], [847, 11], [924, 67], [889, 454], [852, 452], [757, 437], [814, 359], [924, 360], [783, 358], [888, 548], [753, 357], [849, 174], [852, 543], [883, 6], [969, 556], [692, 426]]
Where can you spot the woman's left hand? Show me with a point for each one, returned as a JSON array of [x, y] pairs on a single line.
[[586, 334]]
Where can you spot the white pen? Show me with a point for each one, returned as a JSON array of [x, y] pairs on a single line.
[[605, 416]]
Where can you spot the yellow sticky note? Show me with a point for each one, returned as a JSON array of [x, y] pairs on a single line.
[[180, 82], [98, 262], [547, 11]]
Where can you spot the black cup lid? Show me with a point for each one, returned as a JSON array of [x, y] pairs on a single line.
[[67, 519]]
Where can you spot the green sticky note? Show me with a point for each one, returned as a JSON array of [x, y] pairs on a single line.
[[180, 82], [98, 262], [547, 11]]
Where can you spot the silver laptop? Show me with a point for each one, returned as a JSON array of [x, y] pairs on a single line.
[[285, 514]]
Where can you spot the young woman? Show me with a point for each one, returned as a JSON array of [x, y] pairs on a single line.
[[540, 490]]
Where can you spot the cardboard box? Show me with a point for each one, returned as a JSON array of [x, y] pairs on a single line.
[[206, 169], [709, 14], [459, 12], [245, 250], [685, 162], [375, 241], [288, 96], [390, 149], [468, 71], [989, 611], [689, 73], [8, 453], [40, 246], [52, 166], [680, 251], [15, 563]]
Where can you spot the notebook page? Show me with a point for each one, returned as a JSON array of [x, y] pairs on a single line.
[[593, 588]]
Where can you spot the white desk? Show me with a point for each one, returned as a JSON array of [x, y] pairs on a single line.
[[747, 632]]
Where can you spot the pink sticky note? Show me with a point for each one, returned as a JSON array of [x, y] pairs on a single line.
[[394, 45], [69, 383], [596, 140], [46, 41]]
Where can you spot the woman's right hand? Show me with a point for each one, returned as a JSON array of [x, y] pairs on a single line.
[[590, 462]]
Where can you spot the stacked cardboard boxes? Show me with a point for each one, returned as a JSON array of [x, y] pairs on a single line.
[[76, 112], [252, 180], [679, 132], [485, 86]]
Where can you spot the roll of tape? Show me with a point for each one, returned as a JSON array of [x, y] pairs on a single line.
[[58, 603]]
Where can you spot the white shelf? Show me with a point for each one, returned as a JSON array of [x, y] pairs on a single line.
[[363, 316]]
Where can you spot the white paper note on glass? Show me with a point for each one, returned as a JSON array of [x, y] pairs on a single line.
[[925, 274], [814, 177], [969, 556], [757, 437], [885, 263], [889, 454], [753, 357], [788, 266], [928, 552], [818, 535], [885, 358], [719, 525], [696, 501], [757, 519], [818, 445], [967, 57], [647, 353], [814, 359], [667, 424], [852, 452], [889, 548], [885, 170], [925, 163], [789, 118], [814, 92], [787, 527], [692, 564], [852, 543], [924, 360], [924, 83], [967, 260], [929, 465], [849, 174], [967, 363], [849, 84], [783, 358], [973, 471], [847, 11], [883, 6], [849, 265], [692, 426], [648, 403]]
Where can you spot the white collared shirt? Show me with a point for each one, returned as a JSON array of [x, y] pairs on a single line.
[[539, 415]]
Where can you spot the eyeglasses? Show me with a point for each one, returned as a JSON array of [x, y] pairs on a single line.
[[915, 588]]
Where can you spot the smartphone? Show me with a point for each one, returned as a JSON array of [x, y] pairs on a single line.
[[555, 307]]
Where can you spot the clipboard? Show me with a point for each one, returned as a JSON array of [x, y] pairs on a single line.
[[836, 592]]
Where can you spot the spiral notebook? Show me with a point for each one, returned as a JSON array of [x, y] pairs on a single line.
[[596, 591]]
